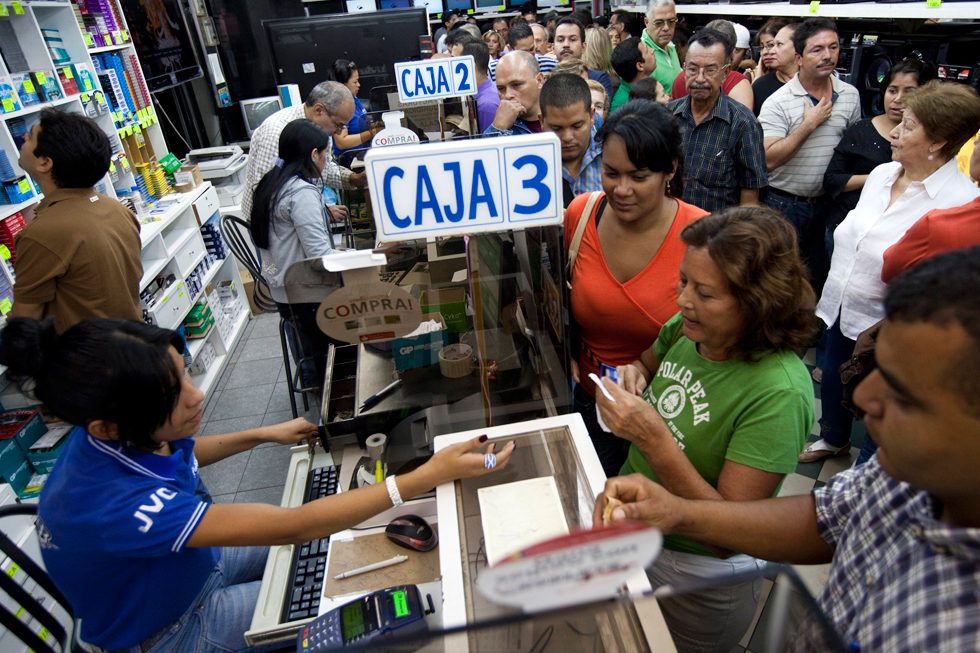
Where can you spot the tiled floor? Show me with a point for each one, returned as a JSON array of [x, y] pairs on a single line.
[[252, 392]]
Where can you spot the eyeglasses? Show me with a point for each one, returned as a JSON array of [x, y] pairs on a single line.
[[692, 72], [659, 24], [771, 45]]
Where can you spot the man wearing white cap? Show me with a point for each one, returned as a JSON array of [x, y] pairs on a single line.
[[742, 43]]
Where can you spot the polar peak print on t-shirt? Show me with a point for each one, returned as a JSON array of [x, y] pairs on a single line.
[[678, 397]]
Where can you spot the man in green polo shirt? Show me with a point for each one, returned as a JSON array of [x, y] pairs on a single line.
[[660, 21]]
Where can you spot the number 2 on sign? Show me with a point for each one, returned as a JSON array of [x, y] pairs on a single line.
[[464, 84]]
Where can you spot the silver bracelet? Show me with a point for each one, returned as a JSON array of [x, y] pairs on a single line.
[[393, 493]]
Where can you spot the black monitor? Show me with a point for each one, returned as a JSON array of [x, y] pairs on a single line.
[[303, 49], [462, 6], [395, 4], [163, 43]]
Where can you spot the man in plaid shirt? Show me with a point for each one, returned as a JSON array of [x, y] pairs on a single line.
[[724, 160], [331, 106], [903, 531]]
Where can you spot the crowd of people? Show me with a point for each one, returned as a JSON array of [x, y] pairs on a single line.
[[723, 216]]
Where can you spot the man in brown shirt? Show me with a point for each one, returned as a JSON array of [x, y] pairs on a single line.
[[80, 256]]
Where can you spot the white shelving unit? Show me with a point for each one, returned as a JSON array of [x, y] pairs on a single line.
[[892, 10], [171, 245]]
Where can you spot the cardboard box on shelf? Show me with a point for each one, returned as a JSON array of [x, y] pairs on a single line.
[[44, 453], [24, 425], [420, 351], [248, 287], [189, 174], [450, 302]]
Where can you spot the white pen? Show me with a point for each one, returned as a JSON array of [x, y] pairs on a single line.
[[598, 384], [377, 565]]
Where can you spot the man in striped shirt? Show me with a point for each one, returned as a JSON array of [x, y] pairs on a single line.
[[521, 37], [802, 123]]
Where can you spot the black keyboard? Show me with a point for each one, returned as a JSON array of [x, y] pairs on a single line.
[[310, 558]]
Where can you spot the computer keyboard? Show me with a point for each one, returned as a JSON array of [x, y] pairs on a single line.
[[310, 558]]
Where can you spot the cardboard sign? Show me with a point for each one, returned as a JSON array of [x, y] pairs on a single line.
[[465, 187], [433, 79], [584, 566], [369, 312]]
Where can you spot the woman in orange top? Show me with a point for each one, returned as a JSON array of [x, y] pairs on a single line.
[[624, 283]]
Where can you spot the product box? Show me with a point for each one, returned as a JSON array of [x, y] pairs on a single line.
[[46, 450], [34, 487], [451, 303], [83, 78], [24, 87], [420, 351], [11, 457], [24, 425], [189, 174], [46, 85], [18, 479], [9, 100], [248, 287], [227, 291]]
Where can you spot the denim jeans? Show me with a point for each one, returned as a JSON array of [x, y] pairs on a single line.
[[808, 220], [835, 420], [610, 448], [217, 620]]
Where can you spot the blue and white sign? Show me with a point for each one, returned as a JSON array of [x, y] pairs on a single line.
[[433, 79], [465, 187]]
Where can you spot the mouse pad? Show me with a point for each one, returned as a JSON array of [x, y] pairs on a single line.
[[368, 549]]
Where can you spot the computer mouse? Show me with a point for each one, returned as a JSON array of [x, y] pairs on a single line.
[[412, 532]]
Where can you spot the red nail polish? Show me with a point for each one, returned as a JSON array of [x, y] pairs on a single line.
[[484, 438]]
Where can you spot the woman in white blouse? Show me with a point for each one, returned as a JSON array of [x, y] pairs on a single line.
[[939, 118]]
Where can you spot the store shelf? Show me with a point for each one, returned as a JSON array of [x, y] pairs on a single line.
[[889, 10], [197, 344], [206, 382], [109, 48], [9, 209], [180, 240], [208, 278], [39, 107], [151, 269]]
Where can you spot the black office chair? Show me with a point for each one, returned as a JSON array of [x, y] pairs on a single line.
[[36, 609], [237, 236]]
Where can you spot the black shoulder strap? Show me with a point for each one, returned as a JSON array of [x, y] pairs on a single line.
[[599, 210]]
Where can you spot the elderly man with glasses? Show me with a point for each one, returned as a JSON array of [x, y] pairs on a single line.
[[660, 21], [724, 160], [331, 106]]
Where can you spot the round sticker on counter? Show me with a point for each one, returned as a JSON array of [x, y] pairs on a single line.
[[369, 312]]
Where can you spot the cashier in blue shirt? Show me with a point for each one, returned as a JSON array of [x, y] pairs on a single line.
[[126, 528]]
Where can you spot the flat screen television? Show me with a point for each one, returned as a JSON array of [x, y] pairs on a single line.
[[163, 42], [395, 4], [303, 49], [459, 5]]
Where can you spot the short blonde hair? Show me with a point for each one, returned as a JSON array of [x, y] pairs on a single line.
[[948, 111], [596, 86], [571, 67], [491, 35]]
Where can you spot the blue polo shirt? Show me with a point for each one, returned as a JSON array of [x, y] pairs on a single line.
[[113, 524]]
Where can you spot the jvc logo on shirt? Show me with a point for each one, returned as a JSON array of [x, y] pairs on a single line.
[[155, 506]]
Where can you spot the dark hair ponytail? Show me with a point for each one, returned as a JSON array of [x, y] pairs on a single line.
[[118, 371], [297, 141], [341, 71]]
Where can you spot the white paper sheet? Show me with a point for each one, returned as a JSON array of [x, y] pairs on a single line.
[[518, 515]]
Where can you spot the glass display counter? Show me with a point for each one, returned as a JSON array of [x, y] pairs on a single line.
[[556, 448]]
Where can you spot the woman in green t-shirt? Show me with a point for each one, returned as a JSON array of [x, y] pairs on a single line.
[[720, 406]]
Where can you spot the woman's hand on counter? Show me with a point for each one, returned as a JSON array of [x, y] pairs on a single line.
[[467, 459]]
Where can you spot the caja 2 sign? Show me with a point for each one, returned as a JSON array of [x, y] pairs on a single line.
[[433, 79], [464, 187]]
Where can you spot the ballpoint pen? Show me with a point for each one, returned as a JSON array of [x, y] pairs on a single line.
[[375, 398], [377, 565]]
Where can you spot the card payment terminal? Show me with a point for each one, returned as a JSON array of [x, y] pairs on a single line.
[[376, 615]]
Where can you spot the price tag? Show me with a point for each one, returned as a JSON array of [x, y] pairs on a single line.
[[501, 7], [68, 73], [41, 79], [29, 86], [24, 186], [814, 6], [88, 40], [122, 133], [4, 252], [129, 130], [4, 11], [124, 163], [99, 99], [8, 106], [112, 167], [17, 8], [87, 84], [137, 130], [84, 97], [5, 305], [117, 38], [934, 4], [469, 12], [125, 35]]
